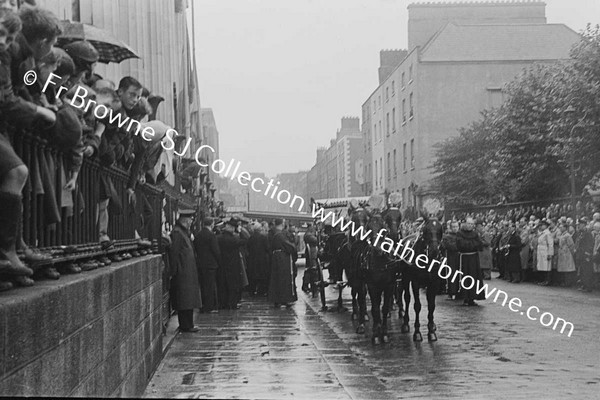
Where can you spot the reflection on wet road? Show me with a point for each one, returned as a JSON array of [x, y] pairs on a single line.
[[485, 351]]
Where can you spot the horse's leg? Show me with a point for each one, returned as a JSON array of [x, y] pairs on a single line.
[[405, 328], [354, 294], [417, 337], [399, 292], [388, 299], [375, 295], [432, 290], [358, 294]]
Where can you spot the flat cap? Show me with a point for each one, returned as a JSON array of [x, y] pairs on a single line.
[[184, 212], [82, 50]]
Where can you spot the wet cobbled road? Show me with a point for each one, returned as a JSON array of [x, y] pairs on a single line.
[[259, 352]]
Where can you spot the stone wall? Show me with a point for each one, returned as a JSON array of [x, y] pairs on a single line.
[[98, 333]]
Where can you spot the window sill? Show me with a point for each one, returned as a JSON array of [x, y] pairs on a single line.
[[410, 81], [411, 117], [403, 122]]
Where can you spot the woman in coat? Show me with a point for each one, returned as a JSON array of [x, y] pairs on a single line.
[[566, 263], [185, 289], [545, 251], [485, 255]]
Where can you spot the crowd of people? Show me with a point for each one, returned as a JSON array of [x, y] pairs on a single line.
[[28, 38], [211, 262], [544, 245]]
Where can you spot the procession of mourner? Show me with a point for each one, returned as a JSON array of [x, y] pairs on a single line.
[[443, 244]]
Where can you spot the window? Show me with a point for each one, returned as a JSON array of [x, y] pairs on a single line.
[[374, 105], [387, 125], [387, 94], [375, 133], [403, 111], [376, 175], [410, 103], [389, 172], [412, 153], [379, 99], [395, 165], [394, 120], [381, 172], [403, 196], [393, 88], [380, 131], [402, 81], [410, 75], [404, 156]]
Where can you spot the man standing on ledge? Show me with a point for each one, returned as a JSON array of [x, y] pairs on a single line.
[[282, 289], [185, 290]]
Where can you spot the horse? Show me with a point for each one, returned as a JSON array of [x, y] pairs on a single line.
[[380, 276], [428, 243], [392, 217]]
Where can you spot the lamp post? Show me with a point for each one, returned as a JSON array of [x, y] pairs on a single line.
[[569, 112]]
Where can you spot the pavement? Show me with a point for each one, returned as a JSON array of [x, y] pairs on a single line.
[[259, 352]]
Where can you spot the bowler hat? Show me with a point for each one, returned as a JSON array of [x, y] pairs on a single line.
[[233, 221], [582, 220]]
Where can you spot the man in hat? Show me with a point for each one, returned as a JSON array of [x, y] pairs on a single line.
[[282, 289], [209, 261], [584, 248], [85, 57], [230, 273], [185, 289], [545, 251]]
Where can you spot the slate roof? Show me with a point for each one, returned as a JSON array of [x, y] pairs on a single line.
[[507, 42]]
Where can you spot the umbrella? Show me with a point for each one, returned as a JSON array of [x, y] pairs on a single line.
[[109, 47]]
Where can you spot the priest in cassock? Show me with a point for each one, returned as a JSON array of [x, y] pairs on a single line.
[[281, 287]]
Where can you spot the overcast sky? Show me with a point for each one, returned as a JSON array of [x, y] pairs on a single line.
[[280, 74]]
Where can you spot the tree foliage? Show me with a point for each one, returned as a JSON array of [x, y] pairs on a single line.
[[524, 149]]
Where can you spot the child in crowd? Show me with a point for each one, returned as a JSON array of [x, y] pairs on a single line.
[[18, 52]]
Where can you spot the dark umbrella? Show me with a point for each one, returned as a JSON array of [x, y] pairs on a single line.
[[109, 47]]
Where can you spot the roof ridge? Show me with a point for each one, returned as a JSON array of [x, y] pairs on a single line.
[[477, 3]]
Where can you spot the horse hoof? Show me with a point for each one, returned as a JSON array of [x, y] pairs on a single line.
[[417, 337], [385, 339], [404, 329], [431, 336], [367, 318], [360, 329], [431, 327], [376, 341]]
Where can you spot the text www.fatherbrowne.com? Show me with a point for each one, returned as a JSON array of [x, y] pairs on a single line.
[[403, 250]]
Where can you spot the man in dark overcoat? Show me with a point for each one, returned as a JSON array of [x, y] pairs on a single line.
[[209, 259], [185, 289], [282, 289], [230, 273], [258, 261], [584, 249], [512, 253]]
